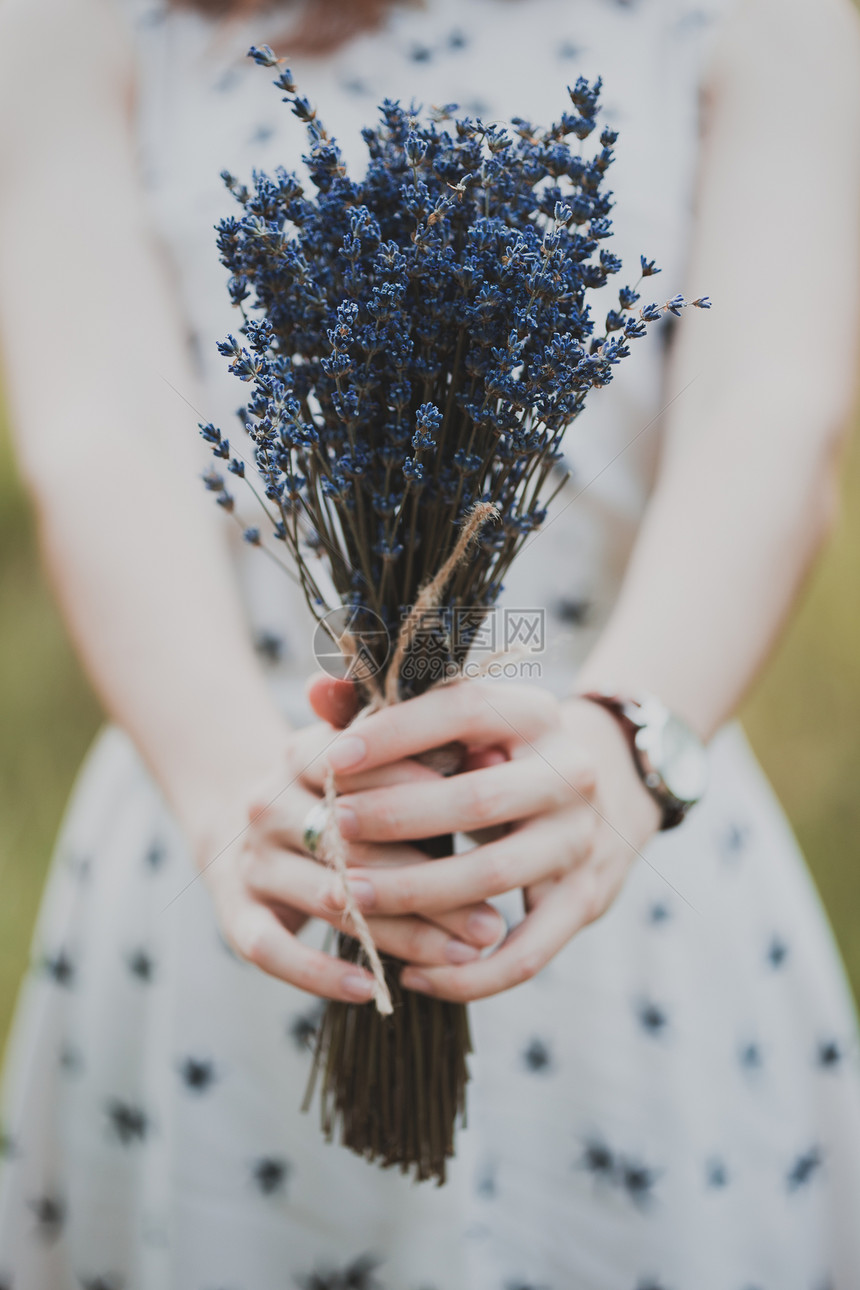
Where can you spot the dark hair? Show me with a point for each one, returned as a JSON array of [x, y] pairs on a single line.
[[320, 26]]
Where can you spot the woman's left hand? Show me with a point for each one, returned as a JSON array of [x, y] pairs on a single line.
[[558, 778]]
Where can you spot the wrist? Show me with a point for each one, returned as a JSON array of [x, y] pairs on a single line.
[[624, 801], [608, 670], [669, 757], [221, 767]]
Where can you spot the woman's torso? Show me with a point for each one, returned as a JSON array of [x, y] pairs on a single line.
[[674, 1100], [203, 107]]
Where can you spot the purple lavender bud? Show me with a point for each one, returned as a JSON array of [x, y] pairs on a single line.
[[210, 433], [263, 55], [416, 150], [428, 419], [413, 472]]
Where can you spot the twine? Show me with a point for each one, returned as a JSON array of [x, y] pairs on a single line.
[[332, 849], [334, 854], [430, 595]]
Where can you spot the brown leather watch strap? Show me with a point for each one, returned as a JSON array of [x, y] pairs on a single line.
[[615, 705], [672, 811]]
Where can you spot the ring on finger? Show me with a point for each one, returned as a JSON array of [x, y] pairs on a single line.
[[314, 827]]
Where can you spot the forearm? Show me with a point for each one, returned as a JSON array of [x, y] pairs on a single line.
[[746, 483], [719, 560], [138, 552], [145, 589], [96, 374]]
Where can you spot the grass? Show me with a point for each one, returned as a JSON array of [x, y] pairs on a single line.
[[804, 721], [47, 718]]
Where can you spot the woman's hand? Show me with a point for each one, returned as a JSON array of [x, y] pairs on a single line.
[[265, 885], [559, 776]]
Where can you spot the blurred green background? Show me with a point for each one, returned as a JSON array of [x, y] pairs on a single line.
[[804, 721]]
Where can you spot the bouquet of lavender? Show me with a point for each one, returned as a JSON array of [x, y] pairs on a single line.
[[416, 342]]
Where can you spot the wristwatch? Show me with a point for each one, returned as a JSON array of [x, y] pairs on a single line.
[[670, 758]]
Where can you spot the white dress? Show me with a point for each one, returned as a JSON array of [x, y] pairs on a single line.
[[673, 1104]]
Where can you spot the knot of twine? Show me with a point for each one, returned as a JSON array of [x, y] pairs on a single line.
[[332, 849]]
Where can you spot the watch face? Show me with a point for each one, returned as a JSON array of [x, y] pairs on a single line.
[[677, 756]]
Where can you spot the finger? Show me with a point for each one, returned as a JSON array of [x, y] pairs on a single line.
[[478, 799], [260, 938], [398, 772], [276, 875], [306, 750], [481, 758], [536, 940], [307, 760], [414, 940], [472, 712], [280, 875], [281, 817], [519, 859], [288, 883], [478, 924], [333, 700], [309, 748]]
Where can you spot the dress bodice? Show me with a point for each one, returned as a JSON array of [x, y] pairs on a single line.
[[203, 106]]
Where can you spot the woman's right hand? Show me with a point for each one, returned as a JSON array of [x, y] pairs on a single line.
[[265, 885]]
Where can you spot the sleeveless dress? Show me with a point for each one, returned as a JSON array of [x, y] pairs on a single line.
[[674, 1103]]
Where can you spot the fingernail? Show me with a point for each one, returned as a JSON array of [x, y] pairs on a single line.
[[460, 952], [363, 891], [411, 980], [485, 926], [347, 821], [347, 752], [332, 895], [358, 987]]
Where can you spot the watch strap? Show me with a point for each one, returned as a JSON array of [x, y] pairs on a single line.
[[672, 810]]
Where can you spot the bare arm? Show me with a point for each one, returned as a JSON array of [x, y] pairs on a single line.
[[90, 336], [746, 490]]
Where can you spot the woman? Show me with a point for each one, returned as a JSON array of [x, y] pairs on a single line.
[[665, 1084]]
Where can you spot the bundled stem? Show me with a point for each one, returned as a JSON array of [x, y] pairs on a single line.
[[393, 1077], [392, 1088]]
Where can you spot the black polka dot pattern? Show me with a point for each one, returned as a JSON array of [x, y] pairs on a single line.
[[624, 1098]]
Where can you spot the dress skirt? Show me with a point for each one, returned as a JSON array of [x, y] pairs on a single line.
[[672, 1104]]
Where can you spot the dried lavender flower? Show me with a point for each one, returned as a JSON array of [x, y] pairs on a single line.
[[419, 340]]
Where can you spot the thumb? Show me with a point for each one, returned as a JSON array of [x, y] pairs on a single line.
[[334, 701]]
